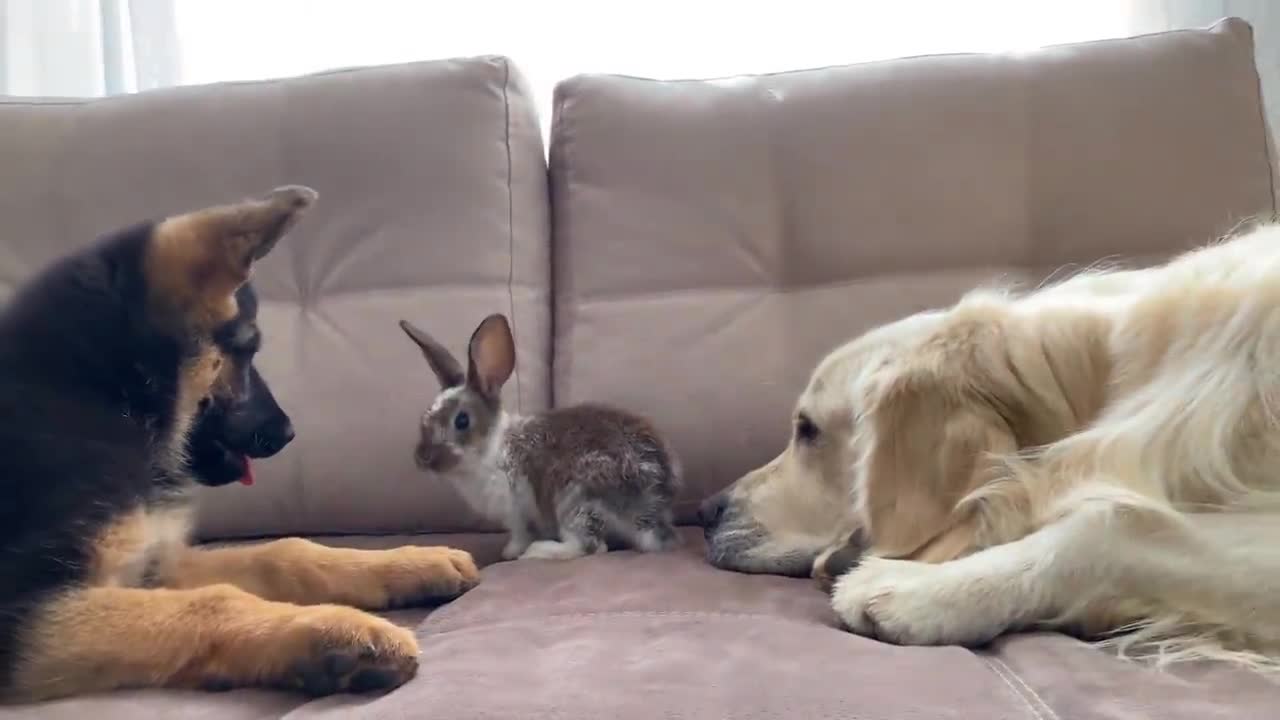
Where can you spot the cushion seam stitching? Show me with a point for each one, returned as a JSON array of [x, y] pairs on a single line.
[[998, 672], [1267, 140], [511, 229], [1018, 678]]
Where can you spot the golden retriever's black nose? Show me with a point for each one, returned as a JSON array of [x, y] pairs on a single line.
[[712, 510]]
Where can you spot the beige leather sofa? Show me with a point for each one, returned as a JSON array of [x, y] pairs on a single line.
[[695, 248]]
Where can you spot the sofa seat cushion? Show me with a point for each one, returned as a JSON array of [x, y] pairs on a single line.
[[626, 636]]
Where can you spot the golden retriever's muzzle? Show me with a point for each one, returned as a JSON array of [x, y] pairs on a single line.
[[735, 541]]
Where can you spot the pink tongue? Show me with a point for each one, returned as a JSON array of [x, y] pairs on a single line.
[[247, 478]]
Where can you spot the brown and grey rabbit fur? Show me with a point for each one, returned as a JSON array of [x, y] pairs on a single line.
[[567, 482]]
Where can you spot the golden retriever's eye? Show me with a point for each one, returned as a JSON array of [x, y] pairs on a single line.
[[806, 431]]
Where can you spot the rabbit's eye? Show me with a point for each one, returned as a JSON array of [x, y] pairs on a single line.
[[461, 421]]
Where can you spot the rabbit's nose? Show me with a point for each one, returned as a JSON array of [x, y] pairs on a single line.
[[423, 457]]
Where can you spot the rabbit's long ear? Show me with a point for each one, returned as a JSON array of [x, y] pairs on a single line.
[[491, 356], [442, 362]]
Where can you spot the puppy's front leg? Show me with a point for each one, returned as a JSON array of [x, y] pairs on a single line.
[[216, 637], [307, 573]]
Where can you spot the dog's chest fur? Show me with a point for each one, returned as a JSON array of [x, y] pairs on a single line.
[[129, 549]]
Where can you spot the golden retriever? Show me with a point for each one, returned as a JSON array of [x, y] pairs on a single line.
[[1101, 456]]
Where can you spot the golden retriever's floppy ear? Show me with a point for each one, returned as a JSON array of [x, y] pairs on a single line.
[[195, 262], [930, 447]]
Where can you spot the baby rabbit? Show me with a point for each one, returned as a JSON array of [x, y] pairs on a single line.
[[564, 482]]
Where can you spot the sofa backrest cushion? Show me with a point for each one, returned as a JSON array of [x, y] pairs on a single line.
[[713, 239], [433, 207]]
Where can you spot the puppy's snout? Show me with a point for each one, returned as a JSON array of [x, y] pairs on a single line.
[[285, 435], [711, 511], [273, 438]]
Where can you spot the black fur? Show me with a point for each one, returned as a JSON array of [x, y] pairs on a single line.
[[88, 382]]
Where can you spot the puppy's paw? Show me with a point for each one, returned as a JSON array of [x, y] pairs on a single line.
[[416, 575], [336, 649], [913, 603]]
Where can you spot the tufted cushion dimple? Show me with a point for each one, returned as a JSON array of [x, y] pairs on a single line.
[[714, 239], [432, 207]]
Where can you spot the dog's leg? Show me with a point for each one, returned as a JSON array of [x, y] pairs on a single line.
[[217, 637], [967, 601], [1100, 567], [303, 572]]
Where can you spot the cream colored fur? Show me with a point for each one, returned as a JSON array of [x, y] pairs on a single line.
[[1102, 454]]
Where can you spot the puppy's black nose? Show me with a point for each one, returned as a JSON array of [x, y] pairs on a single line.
[[273, 439], [712, 510], [286, 434]]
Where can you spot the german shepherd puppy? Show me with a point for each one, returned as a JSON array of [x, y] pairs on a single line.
[[107, 359]]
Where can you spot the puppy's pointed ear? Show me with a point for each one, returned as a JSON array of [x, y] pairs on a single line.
[[491, 356], [195, 262], [442, 362]]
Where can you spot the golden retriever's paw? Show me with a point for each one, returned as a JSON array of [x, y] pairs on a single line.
[[417, 575], [334, 649], [912, 603]]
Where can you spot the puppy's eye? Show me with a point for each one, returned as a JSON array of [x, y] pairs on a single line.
[[806, 431], [461, 421]]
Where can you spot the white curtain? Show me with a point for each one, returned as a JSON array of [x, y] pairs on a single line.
[[552, 39], [77, 48], [96, 47]]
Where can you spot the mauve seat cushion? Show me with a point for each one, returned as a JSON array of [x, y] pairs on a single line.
[[625, 636]]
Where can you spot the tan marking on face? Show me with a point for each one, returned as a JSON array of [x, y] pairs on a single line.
[[200, 377]]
